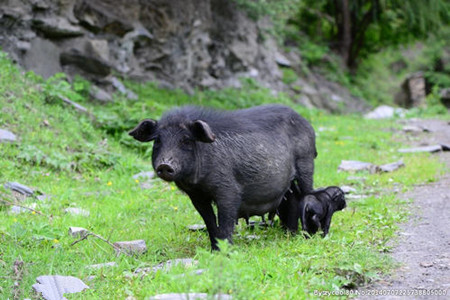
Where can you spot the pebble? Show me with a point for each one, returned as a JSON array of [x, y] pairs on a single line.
[[197, 227], [7, 136], [19, 188], [430, 149], [103, 265], [348, 189], [77, 231], [53, 287], [392, 166], [356, 166], [77, 211], [144, 175], [167, 265], [131, 247]]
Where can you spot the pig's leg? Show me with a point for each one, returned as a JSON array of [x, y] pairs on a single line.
[[227, 209], [305, 175], [326, 222], [206, 211]]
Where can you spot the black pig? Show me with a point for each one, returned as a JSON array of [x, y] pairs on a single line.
[[243, 161], [317, 208]]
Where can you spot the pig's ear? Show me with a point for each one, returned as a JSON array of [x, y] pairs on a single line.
[[145, 131], [202, 132]]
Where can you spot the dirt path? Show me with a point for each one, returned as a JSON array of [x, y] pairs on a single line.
[[423, 247]]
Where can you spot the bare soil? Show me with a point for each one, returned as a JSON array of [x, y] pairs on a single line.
[[423, 246]]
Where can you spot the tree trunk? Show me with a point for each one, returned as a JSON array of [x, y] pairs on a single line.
[[343, 23]]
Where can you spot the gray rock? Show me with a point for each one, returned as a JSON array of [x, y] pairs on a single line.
[[357, 166], [7, 136], [75, 105], [430, 149], [77, 231], [252, 237], [281, 60], [144, 175], [384, 112], [53, 287], [19, 188], [18, 209], [87, 63], [166, 266], [355, 197], [412, 128], [41, 58], [99, 94], [56, 27], [445, 147], [190, 296], [392, 166], [43, 197], [412, 92], [122, 89], [131, 247], [103, 265], [77, 211], [197, 227], [348, 189]]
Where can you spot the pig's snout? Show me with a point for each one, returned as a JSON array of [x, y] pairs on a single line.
[[166, 172]]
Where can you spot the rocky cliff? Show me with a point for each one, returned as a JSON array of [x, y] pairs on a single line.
[[179, 44]]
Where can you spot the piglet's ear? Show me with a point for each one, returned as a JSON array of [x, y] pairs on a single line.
[[145, 131], [202, 132]]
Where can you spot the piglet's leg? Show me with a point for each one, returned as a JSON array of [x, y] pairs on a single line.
[[326, 223]]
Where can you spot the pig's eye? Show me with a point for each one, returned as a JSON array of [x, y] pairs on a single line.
[[186, 143], [157, 142]]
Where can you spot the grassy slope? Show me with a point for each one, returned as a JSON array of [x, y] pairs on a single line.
[[63, 155]]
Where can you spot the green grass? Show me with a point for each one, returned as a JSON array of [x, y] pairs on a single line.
[[90, 164]]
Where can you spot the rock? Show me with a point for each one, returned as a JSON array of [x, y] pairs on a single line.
[[109, 17], [383, 112], [19, 188], [18, 209], [131, 247], [348, 189], [77, 211], [53, 287], [166, 266], [430, 149], [122, 89], [86, 62], [412, 128], [40, 58], [103, 265], [56, 27], [77, 231], [426, 264], [7, 136], [251, 237], [144, 175], [444, 94], [445, 147], [357, 178], [197, 227], [43, 197], [281, 60], [355, 197], [98, 48], [357, 166], [75, 105], [412, 92], [190, 296], [99, 94], [392, 166]]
